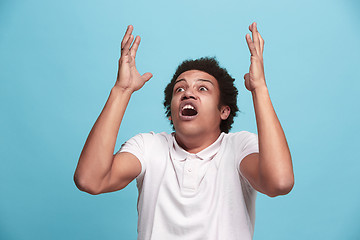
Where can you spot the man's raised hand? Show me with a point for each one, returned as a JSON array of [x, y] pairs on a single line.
[[129, 78], [255, 78]]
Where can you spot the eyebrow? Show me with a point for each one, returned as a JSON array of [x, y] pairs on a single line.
[[200, 79]]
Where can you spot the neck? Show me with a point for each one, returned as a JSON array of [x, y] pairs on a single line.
[[196, 143]]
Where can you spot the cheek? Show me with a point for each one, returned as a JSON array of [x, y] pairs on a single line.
[[214, 102], [214, 107], [173, 106]]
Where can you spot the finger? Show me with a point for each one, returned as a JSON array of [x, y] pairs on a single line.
[[135, 46], [126, 36], [125, 50], [251, 45], [261, 43], [146, 76], [255, 37]]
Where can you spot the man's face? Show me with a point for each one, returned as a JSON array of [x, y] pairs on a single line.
[[195, 104]]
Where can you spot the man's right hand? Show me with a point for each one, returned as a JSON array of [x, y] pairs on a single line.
[[129, 78], [98, 169]]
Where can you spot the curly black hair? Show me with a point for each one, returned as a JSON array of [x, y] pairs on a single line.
[[228, 91]]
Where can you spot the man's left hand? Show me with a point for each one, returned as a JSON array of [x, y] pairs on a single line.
[[255, 78]]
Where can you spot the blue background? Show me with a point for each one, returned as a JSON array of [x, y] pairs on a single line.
[[58, 62]]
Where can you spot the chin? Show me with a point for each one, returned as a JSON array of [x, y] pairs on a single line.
[[188, 129], [196, 127], [194, 130]]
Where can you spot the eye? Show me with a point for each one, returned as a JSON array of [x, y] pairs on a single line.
[[179, 89], [203, 89]]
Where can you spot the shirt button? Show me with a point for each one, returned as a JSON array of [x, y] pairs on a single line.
[[189, 169]]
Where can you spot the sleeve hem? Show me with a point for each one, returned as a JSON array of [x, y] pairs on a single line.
[[138, 157], [238, 167]]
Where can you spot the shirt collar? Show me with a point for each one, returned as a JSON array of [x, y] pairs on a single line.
[[180, 154]]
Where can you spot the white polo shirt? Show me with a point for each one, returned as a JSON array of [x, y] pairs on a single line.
[[185, 196]]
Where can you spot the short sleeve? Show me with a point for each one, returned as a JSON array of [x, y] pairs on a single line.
[[136, 146], [247, 143]]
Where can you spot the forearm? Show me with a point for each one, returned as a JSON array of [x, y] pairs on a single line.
[[97, 155], [275, 165]]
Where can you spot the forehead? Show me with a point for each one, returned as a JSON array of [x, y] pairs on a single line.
[[197, 74]]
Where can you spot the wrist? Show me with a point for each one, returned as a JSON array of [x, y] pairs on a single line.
[[260, 90], [120, 90]]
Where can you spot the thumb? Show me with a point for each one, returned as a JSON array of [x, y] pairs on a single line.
[[146, 76], [247, 77]]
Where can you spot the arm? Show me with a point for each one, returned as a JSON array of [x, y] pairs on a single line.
[[270, 171], [98, 169]]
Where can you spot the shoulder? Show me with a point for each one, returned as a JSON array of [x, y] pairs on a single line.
[[148, 140], [242, 144], [147, 146], [241, 137], [152, 135]]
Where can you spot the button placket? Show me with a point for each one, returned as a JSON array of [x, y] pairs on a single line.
[[189, 176]]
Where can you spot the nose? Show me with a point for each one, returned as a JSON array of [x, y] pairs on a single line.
[[188, 94]]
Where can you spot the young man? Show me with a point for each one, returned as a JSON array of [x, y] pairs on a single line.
[[199, 182]]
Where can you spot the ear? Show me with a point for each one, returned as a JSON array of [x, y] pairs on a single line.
[[224, 112]]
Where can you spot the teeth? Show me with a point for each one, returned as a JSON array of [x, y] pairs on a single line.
[[188, 107]]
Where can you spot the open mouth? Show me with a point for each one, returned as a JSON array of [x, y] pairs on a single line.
[[188, 111]]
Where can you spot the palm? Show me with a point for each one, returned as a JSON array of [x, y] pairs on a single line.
[[129, 77]]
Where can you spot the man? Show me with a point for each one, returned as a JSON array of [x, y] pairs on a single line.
[[199, 182]]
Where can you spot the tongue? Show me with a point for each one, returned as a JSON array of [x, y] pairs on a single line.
[[189, 112]]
